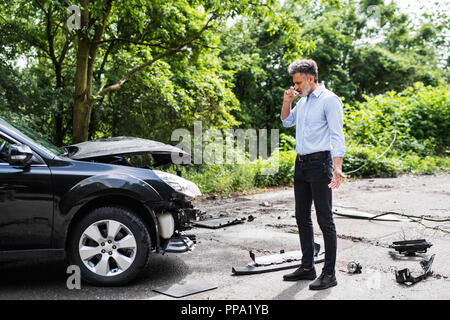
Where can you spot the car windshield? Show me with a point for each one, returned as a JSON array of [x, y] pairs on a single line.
[[34, 137]]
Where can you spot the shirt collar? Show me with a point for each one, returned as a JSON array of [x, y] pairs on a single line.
[[318, 90]]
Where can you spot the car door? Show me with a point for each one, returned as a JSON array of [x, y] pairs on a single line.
[[26, 203]]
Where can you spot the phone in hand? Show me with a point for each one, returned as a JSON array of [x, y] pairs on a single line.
[[295, 91]]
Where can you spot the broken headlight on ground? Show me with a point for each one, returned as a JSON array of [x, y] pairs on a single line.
[[354, 267]]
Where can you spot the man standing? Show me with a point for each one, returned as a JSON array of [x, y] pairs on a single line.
[[318, 117]]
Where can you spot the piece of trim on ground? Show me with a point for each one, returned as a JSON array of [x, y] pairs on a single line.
[[215, 223], [367, 215], [276, 262], [185, 288]]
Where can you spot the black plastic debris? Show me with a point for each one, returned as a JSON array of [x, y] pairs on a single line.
[[216, 223], [213, 197], [411, 247], [404, 276], [264, 204], [250, 218], [354, 267], [180, 244], [192, 237], [283, 260], [184, 288]]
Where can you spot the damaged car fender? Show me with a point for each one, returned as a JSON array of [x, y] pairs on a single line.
[[98, 186], [101, 185]]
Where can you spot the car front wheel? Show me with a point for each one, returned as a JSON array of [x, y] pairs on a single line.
[[111, 245]]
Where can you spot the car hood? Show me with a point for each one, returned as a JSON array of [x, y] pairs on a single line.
[[122, 146]]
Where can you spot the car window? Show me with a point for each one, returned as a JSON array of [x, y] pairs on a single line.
[[4, 147], [34, 136]]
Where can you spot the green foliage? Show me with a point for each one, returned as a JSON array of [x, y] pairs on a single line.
[[357, 53], [245, 175], [417, 118], [363, 159], [420, 116], [287, 142]]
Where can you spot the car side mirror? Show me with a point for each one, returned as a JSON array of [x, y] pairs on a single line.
[[20, 155]]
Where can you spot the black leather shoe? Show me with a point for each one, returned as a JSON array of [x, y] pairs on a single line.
[[300, 274], [324, 281]]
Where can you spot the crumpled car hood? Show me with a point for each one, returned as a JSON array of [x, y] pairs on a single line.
[[122, 146]]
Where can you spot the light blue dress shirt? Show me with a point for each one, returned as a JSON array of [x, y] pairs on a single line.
[[319, 121]]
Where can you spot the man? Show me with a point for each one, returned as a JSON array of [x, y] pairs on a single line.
[[318, 117]]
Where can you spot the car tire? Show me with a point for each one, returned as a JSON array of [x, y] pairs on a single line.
[[111, 245]]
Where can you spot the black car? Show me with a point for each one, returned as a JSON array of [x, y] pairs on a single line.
[[101, 204]]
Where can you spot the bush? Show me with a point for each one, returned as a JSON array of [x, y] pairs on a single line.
[[227, 178], [420, 115], [364, 159]]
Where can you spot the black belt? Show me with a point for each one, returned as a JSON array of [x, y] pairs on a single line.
[[314, 156]]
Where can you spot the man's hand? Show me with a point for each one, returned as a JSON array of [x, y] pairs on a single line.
[[337, 174], [289, 96], [337, 179]]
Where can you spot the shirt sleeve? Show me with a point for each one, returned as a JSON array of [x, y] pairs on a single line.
[[291, 118], [334, 113]]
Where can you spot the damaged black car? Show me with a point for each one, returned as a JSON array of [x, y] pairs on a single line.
[[100, 204]]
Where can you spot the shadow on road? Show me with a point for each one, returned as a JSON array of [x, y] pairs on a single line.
[[291, 292], [46, 279], [32, 273]]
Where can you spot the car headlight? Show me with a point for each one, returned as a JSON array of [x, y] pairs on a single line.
[[179, 184]]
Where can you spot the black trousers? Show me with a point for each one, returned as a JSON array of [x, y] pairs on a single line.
[[311, 181]]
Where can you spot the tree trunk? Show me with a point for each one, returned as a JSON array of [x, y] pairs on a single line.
[[83, 102], [59, 115], [86, 55]]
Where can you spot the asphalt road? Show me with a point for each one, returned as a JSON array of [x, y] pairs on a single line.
[[273, 229]]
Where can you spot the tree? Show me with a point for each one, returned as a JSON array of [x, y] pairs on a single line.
[[144, 31], [362, 48], [157, 28], [35, 32]]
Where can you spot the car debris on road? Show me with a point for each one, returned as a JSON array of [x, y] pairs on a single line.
[[276, 262], [215, 223], [411, 247], [354, 267], [185, 288], [404, 276]]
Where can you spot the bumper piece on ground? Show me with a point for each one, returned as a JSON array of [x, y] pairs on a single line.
[[276, 262]]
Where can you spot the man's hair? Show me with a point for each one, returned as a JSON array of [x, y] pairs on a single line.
[[305, 66]]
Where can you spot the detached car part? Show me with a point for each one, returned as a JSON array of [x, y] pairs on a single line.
[[185, 288], [411, 247], [281, 261], [179, 244], [216, 223], [356, 214], [354, 267], [95, 203], [404, 276]]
